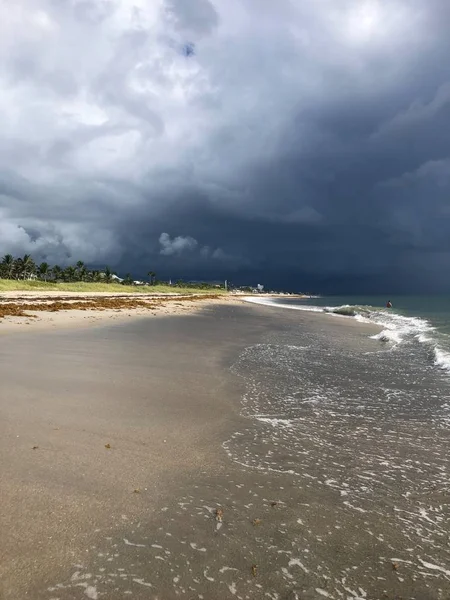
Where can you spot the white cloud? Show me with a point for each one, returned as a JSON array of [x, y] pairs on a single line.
[[189, 246], [63, 243], [176, 245]]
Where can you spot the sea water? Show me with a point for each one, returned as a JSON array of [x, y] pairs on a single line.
[[411, 321], [368, 420]]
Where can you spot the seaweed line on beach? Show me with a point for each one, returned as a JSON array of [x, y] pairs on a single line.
[[13, 308]]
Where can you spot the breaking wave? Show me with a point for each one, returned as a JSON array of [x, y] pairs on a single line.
[[441, 359], [397, 329], [346, 310]]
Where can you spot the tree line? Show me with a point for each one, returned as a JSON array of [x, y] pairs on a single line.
[[25, 268]]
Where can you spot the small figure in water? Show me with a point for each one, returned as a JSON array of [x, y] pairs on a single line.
[[389, 304]]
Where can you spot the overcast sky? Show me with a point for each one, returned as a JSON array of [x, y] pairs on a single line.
[[297, 143]]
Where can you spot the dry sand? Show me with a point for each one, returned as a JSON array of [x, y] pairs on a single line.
[[21, 311]]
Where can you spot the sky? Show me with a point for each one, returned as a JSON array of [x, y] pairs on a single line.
[[300, 144]]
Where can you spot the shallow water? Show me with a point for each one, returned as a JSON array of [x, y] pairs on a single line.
[[370, 424], [413, 320]]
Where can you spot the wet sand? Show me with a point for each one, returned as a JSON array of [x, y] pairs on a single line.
[[156, 390], [118, 444]]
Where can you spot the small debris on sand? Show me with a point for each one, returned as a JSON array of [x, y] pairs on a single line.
[[219, 515]]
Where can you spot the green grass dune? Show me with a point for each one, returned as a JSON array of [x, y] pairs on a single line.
[[12, 285]]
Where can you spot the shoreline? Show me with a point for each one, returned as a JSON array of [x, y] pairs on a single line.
[[121, 442], [42, 311], [36, 310], [347, 320]]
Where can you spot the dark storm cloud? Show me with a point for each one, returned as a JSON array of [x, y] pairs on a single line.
[[301, 144]]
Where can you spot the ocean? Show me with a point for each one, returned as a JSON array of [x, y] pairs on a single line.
[[357, 422], [412, 321]]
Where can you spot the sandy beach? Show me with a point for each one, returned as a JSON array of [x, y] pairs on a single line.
[[120, 442], [41, 310]]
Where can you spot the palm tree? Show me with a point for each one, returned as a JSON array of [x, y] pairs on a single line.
[[152, 276], [18, 268], [70, 273], [25, 267], [43, 270], [7, 266], [108, 275], [57, 272], [81, 270]]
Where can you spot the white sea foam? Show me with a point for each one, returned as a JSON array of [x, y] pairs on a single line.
[[128, 543], [434, 567], [233, 588], [269, 302], [424, 339], [194, 547], [346, 310], [142, 582], [297, 562], [91, 592], [323, 593], [387, 335], [276, 422], [441, 358], [397, 328]]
